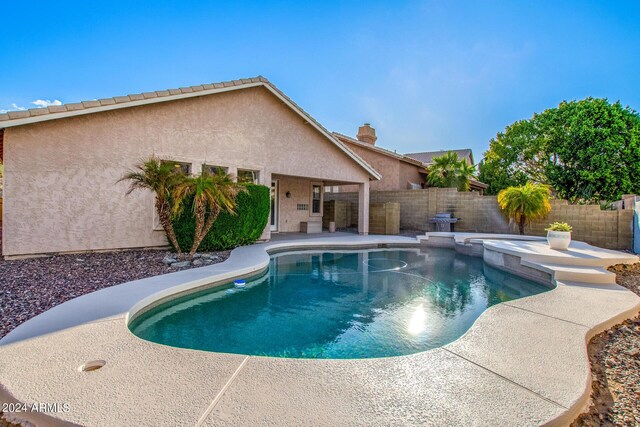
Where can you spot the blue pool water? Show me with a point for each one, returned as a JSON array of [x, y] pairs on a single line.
[[337, 304]]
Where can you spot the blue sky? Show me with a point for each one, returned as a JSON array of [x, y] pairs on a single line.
[[428, 75]]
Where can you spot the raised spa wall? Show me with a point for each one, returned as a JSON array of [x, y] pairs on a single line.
[[506, 262]]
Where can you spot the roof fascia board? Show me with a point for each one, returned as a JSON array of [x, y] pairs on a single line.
[[383, 151]]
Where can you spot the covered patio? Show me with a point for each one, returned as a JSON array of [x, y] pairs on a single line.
[[297, 205]]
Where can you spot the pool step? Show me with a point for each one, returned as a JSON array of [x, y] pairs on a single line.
[[574, 273]]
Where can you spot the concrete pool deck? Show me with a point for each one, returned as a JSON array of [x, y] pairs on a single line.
[[523, 362]]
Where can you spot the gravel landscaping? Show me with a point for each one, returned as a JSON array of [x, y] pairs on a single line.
[[31, 286], [615, 365]]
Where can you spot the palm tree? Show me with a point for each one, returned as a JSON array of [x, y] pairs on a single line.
[[442, 173], [212, 193], [161, 177], [465, 173], [449, 171], [525, 203]]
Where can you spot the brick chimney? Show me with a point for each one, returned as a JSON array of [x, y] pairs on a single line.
[[367, 134]]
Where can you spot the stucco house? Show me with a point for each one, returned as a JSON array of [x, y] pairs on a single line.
[[399, 171], [61, 163]]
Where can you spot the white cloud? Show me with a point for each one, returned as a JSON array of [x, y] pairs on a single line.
[[39, 103], [14, 107], [42, 103]]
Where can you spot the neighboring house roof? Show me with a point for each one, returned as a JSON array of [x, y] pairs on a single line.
[[427, 156], [366, 145], [414, 157], [475, 183], [34, 115]]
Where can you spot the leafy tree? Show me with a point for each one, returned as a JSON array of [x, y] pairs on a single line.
[[448, 171], [595, 154], [586, 150], [209, 194], [512, 158], [525, 203], [161, 177]]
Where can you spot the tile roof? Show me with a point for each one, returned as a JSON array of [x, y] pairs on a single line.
[[33, 115], [377, 149], [411, 158], [87, 105], [427, 156]]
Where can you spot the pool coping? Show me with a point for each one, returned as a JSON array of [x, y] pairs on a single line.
[[550, 386]]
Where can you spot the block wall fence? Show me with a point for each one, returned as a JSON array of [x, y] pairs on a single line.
[[384, 218], [607, 229]]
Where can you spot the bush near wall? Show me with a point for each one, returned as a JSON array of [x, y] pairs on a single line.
[[229, 231]]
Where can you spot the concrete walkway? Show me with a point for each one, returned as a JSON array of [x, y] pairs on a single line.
[[522, 363]]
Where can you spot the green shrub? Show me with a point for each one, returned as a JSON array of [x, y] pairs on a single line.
[[559, 226], [229, 231]]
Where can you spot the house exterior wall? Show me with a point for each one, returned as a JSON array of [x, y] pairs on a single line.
[[607, 229], [60, 189], [290, 216], [395, 173], [410, 173]]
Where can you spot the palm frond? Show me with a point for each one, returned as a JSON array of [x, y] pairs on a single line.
[[529, 200]]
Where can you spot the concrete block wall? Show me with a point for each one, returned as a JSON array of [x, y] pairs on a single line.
[[477, 213], [351, 200], [384, 218], [607, 229], [338, 211]]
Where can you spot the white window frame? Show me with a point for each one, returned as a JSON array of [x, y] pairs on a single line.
[[256, 174], [311, 185]]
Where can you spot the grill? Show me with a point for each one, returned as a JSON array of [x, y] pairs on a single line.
[[443, 221]]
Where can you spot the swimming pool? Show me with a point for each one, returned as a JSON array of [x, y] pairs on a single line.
[[338, 304]]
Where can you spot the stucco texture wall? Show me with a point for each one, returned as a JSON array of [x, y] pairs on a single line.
[[607, 229], [395, 173], [290, 216], [61, 193]]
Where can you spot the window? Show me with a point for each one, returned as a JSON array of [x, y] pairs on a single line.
[[212, 169], [184, 167], [180, 167], [247, 176], [316, 199]]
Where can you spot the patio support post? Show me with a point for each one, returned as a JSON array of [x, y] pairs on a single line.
[[233, 171], [265, 178], [363, 208]]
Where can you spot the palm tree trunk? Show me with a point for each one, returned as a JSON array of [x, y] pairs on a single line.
[[205, 229], [210, 220], [521, 223], [198, 235], [162, 208]]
